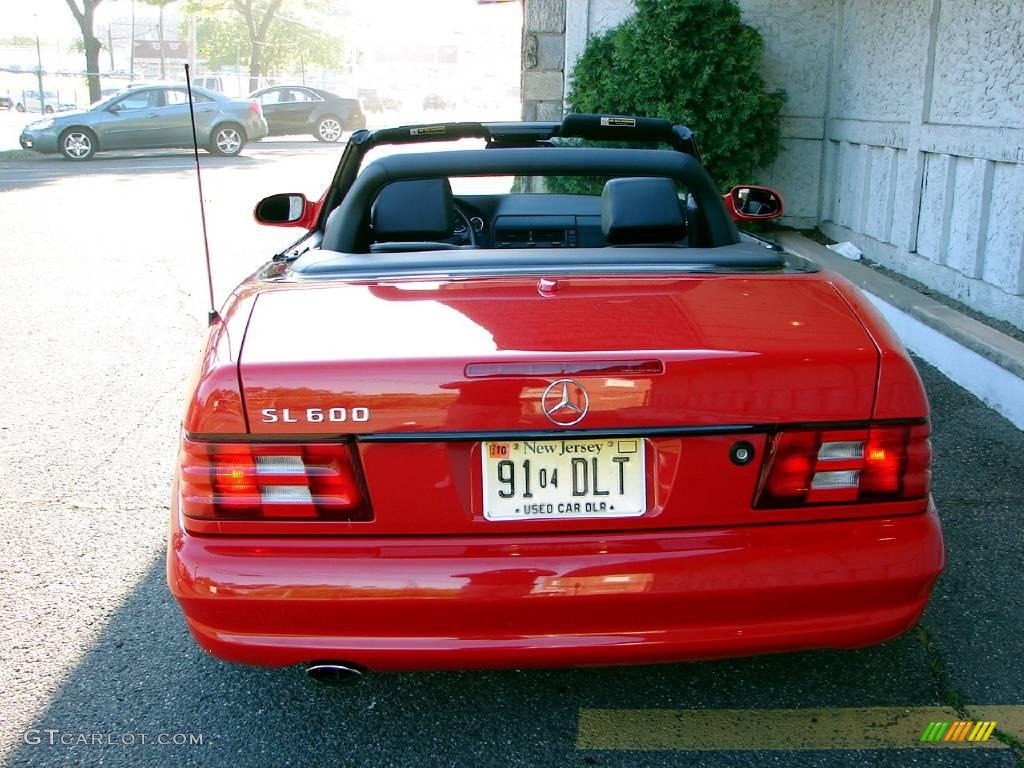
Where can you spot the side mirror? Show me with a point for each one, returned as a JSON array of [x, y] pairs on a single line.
[[286, 210], [749, 203], [114, 109]]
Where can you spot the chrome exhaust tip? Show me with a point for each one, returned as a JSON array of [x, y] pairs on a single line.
[[334, 673]]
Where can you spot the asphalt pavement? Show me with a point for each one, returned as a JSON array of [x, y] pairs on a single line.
[[102, 300]]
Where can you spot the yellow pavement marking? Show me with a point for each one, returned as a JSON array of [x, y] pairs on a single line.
[[784, 729]]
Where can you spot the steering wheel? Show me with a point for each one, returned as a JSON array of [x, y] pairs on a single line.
[[468, 225]]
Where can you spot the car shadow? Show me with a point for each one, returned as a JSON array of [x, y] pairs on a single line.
[[49, 169], [40, 170], [105, 159]]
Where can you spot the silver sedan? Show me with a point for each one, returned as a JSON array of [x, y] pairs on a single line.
[[150, 117]]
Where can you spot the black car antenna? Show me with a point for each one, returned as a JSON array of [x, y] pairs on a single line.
[[212, 316]]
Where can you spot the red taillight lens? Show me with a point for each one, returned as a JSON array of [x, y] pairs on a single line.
[[883, 463], [793, 465], [270, 481], [254, 106]]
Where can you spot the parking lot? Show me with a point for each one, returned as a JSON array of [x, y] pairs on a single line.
[[102, 305]]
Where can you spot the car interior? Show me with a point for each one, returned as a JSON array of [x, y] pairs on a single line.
[[422, 214]]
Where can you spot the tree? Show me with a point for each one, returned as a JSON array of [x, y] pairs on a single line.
[[161, 4], [693, 62], [90, 42], [223, 38], [257, 22]]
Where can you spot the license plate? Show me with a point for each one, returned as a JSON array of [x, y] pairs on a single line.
[[554, 479]]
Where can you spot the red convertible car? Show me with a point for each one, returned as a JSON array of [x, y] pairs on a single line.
[[454, 429]]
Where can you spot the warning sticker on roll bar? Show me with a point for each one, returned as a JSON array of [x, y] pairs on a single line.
[[427, 130], [619, 122]]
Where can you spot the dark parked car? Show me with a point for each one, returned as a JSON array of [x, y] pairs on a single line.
[[292, 109]]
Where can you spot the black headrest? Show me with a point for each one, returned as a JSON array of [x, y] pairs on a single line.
[[635, 211], [416, 210]]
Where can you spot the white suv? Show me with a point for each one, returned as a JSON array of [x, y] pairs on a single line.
[[29, 102]]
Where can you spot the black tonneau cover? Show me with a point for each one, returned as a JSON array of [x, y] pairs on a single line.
[[740, 257]]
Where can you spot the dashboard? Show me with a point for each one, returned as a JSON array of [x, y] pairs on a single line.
[[529, 221]]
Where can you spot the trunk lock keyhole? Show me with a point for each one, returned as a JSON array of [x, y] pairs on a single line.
[[741, 453]]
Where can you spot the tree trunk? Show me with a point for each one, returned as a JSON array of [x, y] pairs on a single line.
[[92, 65], [84, 17], [255, 66], [257, 37]]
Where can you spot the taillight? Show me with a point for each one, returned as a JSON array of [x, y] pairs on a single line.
[[254, 106], [271, 481], [880, 463]]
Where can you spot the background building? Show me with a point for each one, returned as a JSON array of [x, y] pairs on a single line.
[[903, 130]]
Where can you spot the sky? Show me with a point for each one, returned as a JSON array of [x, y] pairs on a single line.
[[26, 18], [52, 18]]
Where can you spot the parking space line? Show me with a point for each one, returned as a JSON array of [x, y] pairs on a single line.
[[792, 729]]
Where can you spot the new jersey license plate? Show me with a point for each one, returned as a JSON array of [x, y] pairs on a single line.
[[553, 479]]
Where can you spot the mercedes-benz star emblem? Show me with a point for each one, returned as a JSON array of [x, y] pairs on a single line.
[[565, 402]]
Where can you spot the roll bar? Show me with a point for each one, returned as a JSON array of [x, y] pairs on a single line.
[[613, 128]]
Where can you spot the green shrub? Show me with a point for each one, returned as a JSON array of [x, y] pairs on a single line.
[[693, 62]]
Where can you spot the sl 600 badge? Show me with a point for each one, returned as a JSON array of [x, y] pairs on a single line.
[[315, 415]]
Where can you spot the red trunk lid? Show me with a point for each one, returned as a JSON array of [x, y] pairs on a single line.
[[731, 350]]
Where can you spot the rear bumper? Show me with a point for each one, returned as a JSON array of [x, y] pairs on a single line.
[[256, 128], [555, 600]]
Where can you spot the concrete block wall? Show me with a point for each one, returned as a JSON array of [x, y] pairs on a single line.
[[903, 130], [798, 36], [924, 150]]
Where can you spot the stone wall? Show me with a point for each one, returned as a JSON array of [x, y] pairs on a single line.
[[543, 59], [903, 130]]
